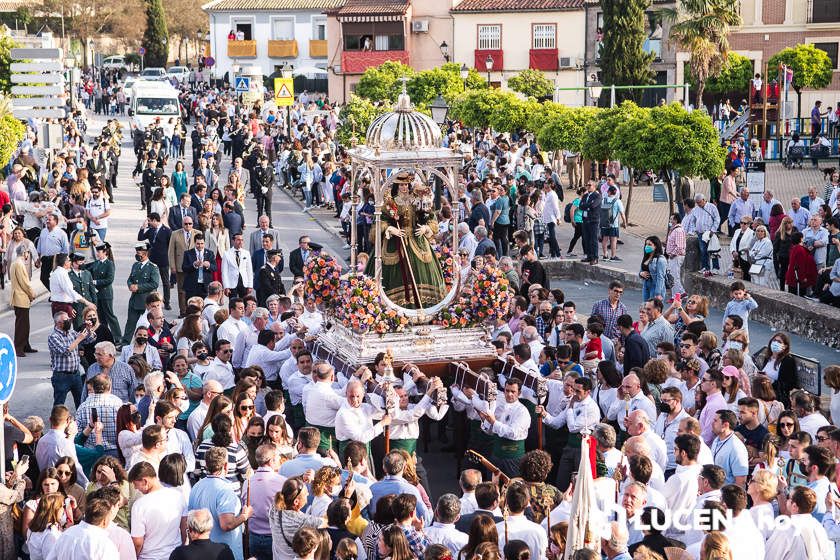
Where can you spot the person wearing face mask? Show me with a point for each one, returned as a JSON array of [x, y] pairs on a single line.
[[666, 426], [65, 363], [84, 240], [82, 283], [143, 279]]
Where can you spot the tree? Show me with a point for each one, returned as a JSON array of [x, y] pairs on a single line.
[[475, 80], [6, 46], [811, 67], [381, 83], [532, 83], [567, 128], [11, 131], [623, 59], [669, 138], [542, 114], [184, 19], [702, 28], [734, 76], [474, 107], [156, 37], [356, 117], [510, 114], [425, 86]]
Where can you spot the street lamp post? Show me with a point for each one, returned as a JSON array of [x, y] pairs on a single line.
[[488, 65], [444, 50], [465, 73], [439, 109]]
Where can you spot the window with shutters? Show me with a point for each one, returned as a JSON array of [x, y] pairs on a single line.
[[545, 36], [489, 37], [282, 29]]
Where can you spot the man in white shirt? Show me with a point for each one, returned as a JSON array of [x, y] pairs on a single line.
[[810, 420], [630, 398], [177, 441], [212, 302], [803, 537], [221, 369], [443, 531], [57, 442], [638, 424], [691, 425], [605, 436], [233, 325], [745, 540], [681, 488], [210, 390], [668, 422], [354, 420], [518, 527], [508, 422], [237, 272], [321, 403], [311, 318], [468, 481], [89, 539], [158, 517], [267, 352], [728, 450], [466, 239], [248, 338], [638, 446]]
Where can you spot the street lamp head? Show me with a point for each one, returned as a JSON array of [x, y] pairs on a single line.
[[488, 62], [465, 72], [595, 87], [444, 50], [439, 108]]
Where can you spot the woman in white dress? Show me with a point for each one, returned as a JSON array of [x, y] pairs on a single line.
[[761, 254]]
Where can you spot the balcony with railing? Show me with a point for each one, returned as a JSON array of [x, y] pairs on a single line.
[[480, 61], [283, 48], [356, 62], [823, 11], [242, 49]]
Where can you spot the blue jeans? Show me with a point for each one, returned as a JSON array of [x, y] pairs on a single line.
[[101, 232], [307, 193], [260, 546], [64, 383]]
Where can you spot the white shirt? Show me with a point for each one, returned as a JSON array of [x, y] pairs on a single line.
[[659, 453], [296, 383], [40, 543], [121, 538], [210, 308], [581, 415], [269, 360], [356, 424], [222, 372], [745, 540], [811, 423], [621, 408], [313, 321], [242, 345], [681, 492], [196, 419], [405, 423], [804, 539], [231, 272], [550, 214], [447, 535], [61, 288], [321, 403], [178, 442], [468, 503], [157, 518], [512, 420], [667, 430], [83, 542], [230, 329], [519, 528]]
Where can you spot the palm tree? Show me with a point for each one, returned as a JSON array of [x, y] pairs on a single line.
[[702, 28]]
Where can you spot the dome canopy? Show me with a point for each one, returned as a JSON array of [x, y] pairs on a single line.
[[403, 129]]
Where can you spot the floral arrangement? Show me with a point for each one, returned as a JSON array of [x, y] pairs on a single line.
[[444, 256], [322, 274], [358, 307], [486, 298]]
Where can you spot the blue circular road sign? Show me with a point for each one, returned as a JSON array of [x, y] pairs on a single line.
[[8, 368]]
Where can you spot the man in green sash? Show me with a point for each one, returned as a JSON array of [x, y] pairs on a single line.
[[354, 421], [508, 422], [405, 428], [321, 403]]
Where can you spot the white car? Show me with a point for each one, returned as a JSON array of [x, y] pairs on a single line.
[[153, 74], [114, 63], [180, 73], [127, 88]]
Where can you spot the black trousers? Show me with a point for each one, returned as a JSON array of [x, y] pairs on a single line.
[[47, 263], [21, 329], [590, 240], [199, 291], [264, 207], [164, 281], [578, 235]]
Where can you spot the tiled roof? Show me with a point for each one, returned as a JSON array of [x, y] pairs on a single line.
[[13, 5], [269, 5], [517, 5], [366, 7]]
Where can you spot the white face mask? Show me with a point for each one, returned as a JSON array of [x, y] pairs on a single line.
[[736, 345], [184, 405]]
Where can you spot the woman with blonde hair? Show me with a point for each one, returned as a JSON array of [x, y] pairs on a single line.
[[769, 408], [715, 547], [46, 526], [707, 346], [323, 483], [696, 309], [410, 475]]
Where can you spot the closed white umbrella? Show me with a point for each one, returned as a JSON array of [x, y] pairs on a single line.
[[583, 501]]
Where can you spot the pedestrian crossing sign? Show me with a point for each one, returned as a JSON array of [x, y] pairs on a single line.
[[242, 84], [284, 92]]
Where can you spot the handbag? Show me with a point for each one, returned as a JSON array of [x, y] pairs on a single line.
[[756, 269]]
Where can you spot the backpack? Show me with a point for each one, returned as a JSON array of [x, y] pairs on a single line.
[[608, 214], [567, 212]]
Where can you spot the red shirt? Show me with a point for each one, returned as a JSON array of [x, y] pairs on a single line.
[[802, 269], [4, 198]]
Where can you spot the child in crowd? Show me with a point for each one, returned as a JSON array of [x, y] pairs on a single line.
[[593, 352], [741, 303]]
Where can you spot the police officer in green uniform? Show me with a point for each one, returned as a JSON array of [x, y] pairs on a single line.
[[102, 270], [83, 284], [143, 279]]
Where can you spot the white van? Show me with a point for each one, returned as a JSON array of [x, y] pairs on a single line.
[[150, 100]]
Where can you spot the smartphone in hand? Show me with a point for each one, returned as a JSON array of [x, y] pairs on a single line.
[[94, 415]]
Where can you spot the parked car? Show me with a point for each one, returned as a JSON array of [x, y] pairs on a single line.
[[180, 73], [152, 73], [130, 81], [114, 63]]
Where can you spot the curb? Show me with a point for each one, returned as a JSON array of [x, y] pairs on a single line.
[[575, 270], [40, 297]]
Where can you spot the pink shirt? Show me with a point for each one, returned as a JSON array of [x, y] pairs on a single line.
[[265, 483], [714, 403]]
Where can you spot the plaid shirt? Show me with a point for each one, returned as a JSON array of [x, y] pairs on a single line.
[[123, 380], [610, 316], [675, 242], [106, 406], [61, 357], [417, 541]]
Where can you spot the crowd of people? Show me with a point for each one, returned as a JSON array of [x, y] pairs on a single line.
[[221, 435]]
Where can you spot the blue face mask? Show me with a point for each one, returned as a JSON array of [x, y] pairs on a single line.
[[648, 249]]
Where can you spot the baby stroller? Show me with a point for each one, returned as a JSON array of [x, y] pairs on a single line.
[[795, 153]]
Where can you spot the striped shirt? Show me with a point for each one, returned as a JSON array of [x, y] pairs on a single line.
[[237, 463], [53, 242], [675, 242]]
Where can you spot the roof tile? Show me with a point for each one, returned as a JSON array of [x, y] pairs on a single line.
[[365, 7], [517, 5], [270, 5]]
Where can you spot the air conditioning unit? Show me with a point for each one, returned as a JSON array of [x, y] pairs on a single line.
[[566, 62], [420, 26]]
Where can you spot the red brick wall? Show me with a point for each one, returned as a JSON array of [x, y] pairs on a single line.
[[774, 12]]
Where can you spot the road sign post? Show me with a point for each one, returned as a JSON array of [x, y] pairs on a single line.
[[284, 96], [8, 377], [38, 84]]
